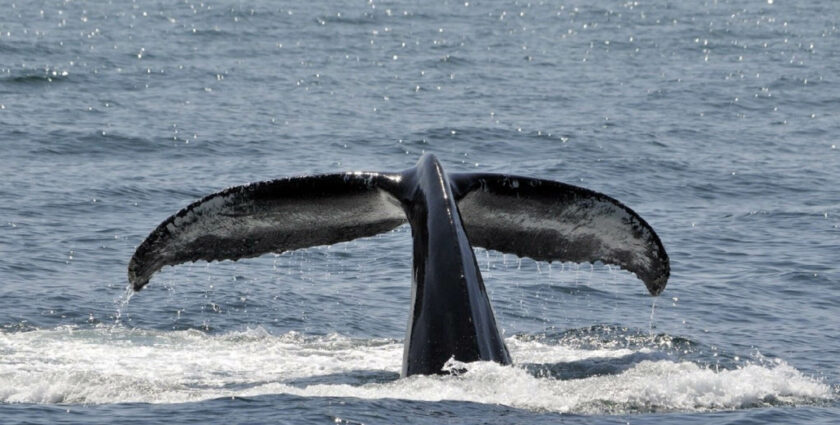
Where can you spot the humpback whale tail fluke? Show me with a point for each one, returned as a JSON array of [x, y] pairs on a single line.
[[451, 315]]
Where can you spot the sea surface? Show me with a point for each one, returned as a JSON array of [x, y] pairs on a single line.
[[717, 121]]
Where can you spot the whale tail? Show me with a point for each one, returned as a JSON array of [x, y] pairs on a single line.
[[541, 219], [451, 315]]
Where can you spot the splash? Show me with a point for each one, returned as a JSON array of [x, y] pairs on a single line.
[[130, 365]]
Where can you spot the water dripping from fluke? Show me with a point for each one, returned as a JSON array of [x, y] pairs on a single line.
[[651, 325], [122, 303]]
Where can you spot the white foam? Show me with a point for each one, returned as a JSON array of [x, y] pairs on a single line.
[[532, 351], [112, 365]]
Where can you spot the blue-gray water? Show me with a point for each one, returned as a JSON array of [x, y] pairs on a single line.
[[717, 121]]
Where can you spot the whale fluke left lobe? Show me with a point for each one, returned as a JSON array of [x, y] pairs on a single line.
[[272, 216]]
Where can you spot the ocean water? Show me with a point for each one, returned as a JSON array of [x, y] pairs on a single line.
[[716, 121]]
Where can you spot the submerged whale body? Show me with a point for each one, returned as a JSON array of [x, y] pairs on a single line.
[[451, 315]]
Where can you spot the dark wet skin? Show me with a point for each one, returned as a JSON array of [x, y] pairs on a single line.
[[450, 316]]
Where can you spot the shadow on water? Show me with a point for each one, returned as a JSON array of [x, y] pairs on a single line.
[[352, 378], [645, 346], [591, 367]]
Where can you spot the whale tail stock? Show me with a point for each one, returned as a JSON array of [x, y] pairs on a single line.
[[528, 217]]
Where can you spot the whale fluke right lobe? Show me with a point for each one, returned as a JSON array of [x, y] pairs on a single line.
[[552, 221]]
